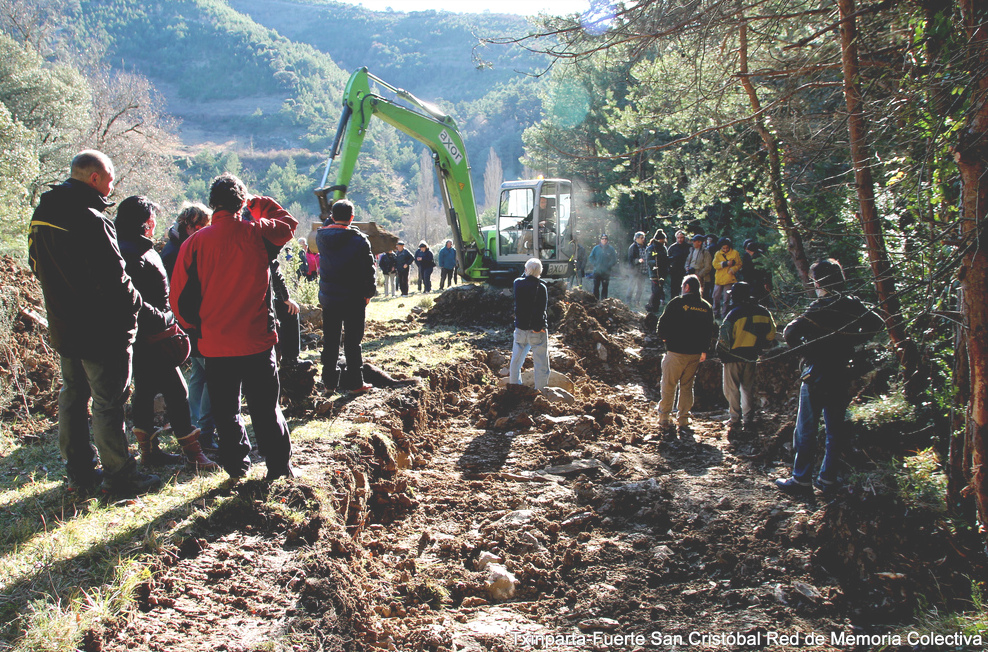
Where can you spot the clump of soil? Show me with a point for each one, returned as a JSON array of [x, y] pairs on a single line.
[[29, 368]]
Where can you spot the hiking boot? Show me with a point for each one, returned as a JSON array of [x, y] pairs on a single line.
[[286, 471], [193, 453], [130, 483], [794, 487], [363, 389], [84, 484], [151, 453]]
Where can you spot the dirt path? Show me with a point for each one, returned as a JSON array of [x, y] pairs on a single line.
[[457, 515], [661, 539]]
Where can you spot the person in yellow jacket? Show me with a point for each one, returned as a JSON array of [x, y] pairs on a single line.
[[727, 266]]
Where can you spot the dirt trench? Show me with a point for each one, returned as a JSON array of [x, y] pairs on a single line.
[[463, 516]]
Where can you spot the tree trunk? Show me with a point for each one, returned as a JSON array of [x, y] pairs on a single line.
[[881, 266], [794, 241], [971, 156]]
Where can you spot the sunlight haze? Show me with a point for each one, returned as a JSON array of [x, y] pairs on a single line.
[[520, 7]]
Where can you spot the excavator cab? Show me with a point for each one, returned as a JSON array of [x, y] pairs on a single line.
[[534, 221]]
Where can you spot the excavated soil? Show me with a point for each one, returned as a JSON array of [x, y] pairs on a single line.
[[461, 515]]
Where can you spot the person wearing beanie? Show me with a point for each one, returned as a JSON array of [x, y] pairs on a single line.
[[748, 329], [755, 272], [727, 267], [825, 335], [687, 327], [426, 262]]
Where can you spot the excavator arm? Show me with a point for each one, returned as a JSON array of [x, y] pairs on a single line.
[[427, 124]]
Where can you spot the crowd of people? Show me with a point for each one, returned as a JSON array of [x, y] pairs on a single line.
[[216, 295], [714, 261], [122, 315], [716, 308]]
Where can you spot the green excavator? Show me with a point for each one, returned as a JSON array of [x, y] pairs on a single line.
[[534, 217]]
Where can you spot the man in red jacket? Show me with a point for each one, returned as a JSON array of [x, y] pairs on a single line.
[[221, 287]]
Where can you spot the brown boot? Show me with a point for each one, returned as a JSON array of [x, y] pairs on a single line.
[[151, 453], [193, 452]]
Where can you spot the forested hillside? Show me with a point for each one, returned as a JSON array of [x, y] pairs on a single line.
[[252, 86], [433, 54]]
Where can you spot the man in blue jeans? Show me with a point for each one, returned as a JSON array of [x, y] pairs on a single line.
[[531, 325], [826, 335], [92, 310]]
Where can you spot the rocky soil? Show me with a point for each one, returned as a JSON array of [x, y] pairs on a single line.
[[462, 515]]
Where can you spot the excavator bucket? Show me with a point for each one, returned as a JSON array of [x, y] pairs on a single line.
[[381, 240]]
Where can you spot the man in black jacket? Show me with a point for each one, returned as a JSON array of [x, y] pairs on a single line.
[[404, 260], [347, 281], [825, 335], [92, 315], [687, 326], [658, 268], [531, 325], [677, 252]]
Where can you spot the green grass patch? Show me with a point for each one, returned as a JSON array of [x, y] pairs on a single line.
[[884, 410], [67, 562]]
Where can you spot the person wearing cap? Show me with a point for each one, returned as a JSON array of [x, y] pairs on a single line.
[[699, 262], [426, 262], [602, 258], [688, 329], [638, 272], [748, 329], [727, 267], [403, 260], [825, 335], [658, 267], [531, 325], [388, 264], [347, 281], [677, 252], [446, 259]]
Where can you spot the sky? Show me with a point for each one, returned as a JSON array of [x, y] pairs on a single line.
[[520, 7]]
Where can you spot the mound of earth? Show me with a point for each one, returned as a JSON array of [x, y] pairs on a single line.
[[30, 375]]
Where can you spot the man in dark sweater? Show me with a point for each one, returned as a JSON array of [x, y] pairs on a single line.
[[826, 335], [531, 333], [688, 329], [677, 253], [347, 281]]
